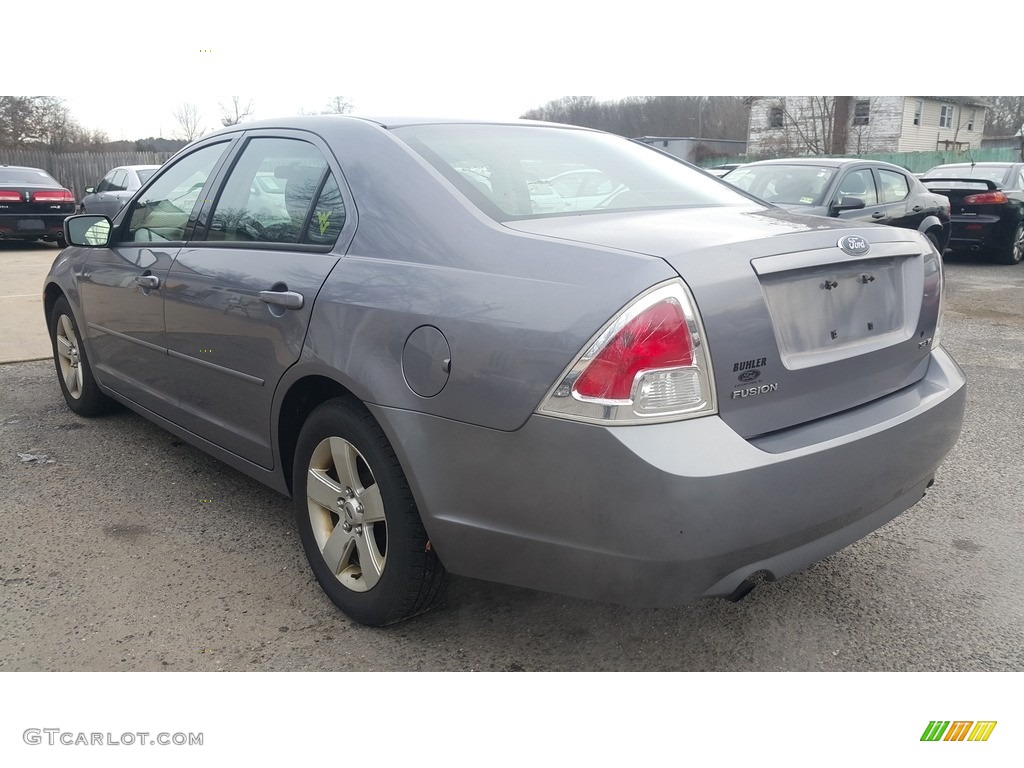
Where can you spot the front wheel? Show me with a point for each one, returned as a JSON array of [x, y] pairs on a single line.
[[358, 522], [81, 392], [1014, 253]]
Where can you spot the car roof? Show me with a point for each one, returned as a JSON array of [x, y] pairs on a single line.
[[315, 122], [827, 162]]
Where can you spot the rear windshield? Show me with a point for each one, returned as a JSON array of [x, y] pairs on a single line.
[[519, 172], [27, 176], [994, 173], [785, 184]]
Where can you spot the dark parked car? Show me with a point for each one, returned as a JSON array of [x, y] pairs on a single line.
[[646, 400], [858, 190], [987, 202], [116, 189], [33, 205]]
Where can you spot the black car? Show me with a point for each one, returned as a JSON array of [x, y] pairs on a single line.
[[844, 188], [987, 202], [33, 205]]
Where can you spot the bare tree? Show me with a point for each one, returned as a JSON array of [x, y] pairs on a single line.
[[808, 123], [189, 120], [235, 113], [1005, 117], [338, 105]]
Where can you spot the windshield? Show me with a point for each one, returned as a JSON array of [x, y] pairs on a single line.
[[785, 184], [517, 172]]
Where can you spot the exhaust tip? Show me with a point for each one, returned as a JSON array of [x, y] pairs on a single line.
[[745, 588]]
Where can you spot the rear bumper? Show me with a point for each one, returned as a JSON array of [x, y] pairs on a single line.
[[978, 232], [22, 225], [662, 514]]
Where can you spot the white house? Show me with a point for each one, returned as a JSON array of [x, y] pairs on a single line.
[[850, 125]]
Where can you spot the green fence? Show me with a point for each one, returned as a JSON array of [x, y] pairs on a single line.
[[915, 162]]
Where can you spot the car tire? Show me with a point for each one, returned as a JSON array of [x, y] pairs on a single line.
[[81, 392], [934, 237], [357, 519], [1014, 252]]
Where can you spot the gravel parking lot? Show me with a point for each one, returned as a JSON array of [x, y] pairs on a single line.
[[125, 549]]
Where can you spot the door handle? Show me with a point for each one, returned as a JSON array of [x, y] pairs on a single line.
[[877, 215], [286, 299], [917, 208], [148, 281]]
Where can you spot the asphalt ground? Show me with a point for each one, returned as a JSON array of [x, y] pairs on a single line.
[[122, 548]]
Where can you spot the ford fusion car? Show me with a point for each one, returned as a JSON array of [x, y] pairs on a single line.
[[652, 398]]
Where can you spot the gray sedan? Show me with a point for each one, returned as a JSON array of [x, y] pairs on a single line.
[[663, 394], [116, 188]]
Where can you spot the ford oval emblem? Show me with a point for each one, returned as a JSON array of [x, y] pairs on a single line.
[[854, 245], [748, 376]]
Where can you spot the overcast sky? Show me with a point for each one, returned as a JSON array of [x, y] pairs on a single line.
[[125, 67]]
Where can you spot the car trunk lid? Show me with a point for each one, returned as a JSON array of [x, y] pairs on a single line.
[[798, 326]]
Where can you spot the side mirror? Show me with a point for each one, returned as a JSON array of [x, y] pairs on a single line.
[[88, 230], [848, 204], [90, 190]]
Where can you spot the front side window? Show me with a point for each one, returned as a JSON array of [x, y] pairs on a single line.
[[859, 184], [895, 186], [106, 183], [514, 172], [270, 194], [163, 212]]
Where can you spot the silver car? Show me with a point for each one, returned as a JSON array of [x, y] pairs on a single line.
[[116, 188], [653, 398]]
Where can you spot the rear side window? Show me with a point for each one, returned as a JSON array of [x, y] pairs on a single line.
[[163, 212], [895, 186], [280, 191]]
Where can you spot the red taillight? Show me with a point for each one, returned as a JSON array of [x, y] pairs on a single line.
[[656, 338], [53, 196], [986, 198], [10, 196]]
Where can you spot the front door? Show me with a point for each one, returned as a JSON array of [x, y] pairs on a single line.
[[123, 285]]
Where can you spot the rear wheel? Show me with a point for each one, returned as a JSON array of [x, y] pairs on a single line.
[[81, 392], [934, 237], [358, 522], [1014, 253]]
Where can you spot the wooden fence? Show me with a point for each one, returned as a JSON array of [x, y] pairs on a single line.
[[78, 170]]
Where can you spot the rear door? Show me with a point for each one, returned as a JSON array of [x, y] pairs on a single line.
[[239, 297]]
